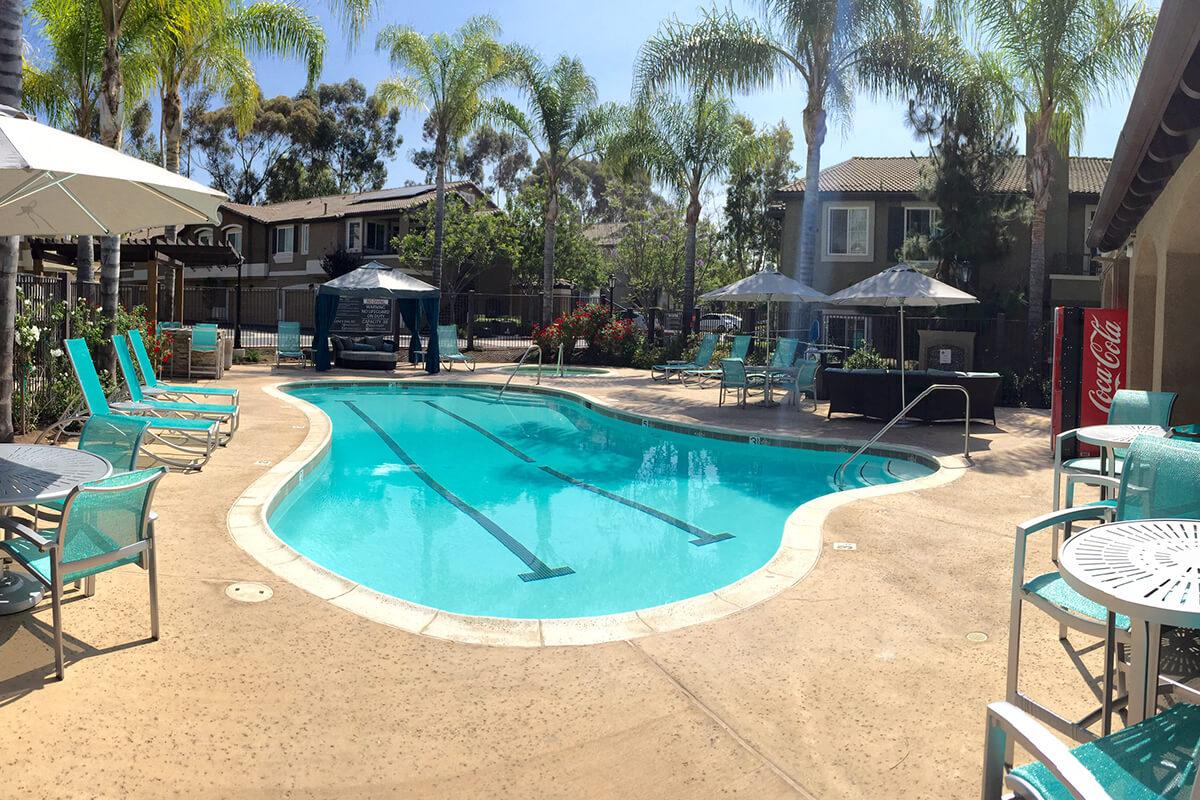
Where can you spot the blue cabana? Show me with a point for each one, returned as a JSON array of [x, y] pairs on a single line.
[[375, 280]]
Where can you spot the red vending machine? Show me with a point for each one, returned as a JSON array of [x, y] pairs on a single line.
[[1089, 366]]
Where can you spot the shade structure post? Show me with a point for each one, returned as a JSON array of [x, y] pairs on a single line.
[[152, 292], [903, 388], [178, 310]]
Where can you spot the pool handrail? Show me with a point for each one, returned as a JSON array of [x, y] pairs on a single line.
[[521, 363]]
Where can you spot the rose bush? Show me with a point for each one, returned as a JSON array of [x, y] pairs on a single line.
[[607, 340]]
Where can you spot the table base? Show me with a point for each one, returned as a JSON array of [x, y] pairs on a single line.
[[18, 593]]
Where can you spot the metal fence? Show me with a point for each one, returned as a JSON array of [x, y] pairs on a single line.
[[999, 341]]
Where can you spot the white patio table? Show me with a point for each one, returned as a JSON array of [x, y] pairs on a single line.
[[1144, 569], [31, 474]]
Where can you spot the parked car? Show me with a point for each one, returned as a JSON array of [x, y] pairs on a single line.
[[728, 323], [639, 320]]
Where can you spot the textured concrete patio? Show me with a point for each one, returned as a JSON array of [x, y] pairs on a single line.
[[858, 682]]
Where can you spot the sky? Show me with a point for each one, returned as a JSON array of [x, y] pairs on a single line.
[[606, 35]]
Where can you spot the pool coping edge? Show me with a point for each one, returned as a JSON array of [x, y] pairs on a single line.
[[799, 550]]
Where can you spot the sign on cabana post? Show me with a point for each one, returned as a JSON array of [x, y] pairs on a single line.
[[363, 315]]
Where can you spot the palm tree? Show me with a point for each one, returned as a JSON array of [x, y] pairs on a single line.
[[1061, 55], [821, 42], [446, 75], [564, 124], [682, 144], [10, 95]]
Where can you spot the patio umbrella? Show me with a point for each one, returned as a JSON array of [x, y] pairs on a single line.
[[54, 183], [767, 285], [901, 286]]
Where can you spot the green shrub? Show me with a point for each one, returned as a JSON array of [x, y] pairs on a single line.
[[865, 357]]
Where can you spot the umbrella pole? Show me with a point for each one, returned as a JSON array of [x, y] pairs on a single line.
[[903, 393], [768, 330]]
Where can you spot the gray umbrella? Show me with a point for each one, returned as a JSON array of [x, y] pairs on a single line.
[[769, 286]]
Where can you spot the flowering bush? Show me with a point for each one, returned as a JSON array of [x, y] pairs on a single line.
[[607, 340]]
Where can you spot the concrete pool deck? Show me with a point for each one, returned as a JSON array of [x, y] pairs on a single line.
[[858, 681]]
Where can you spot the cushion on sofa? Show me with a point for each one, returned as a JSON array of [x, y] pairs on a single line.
[[363, 347]]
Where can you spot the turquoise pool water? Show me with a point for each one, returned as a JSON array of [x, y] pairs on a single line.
[[538, 507]]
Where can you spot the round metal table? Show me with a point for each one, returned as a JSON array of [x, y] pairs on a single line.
[[1146, 570], [31, 474]]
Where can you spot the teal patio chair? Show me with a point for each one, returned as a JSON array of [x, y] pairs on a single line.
[[740, 349], [159, 327], [1129, 407], [448, 352], [191, 442], [704, 355], [1152, 760], [735, 378], [784, 355], [1159, 479], [222, 412], [153, 387], [206, 339], [804, 382], [105, 524], [287, 344]]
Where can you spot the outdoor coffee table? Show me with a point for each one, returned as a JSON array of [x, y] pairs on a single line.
[[31, 474], [1146, 570], [1111, 437]]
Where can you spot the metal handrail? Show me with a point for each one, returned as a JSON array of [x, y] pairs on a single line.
[[521, 363], [837, 473]]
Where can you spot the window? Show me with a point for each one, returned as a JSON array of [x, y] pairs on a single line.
[[204, 236], [304, 238], [354, 235], [849, 231], [233, 238], [283, 239], [920, 221], [377, 237]]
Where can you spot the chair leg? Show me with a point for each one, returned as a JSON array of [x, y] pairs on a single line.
[[1014, 663], [56, 613], [89, 586], [152, 568], [995, 749]]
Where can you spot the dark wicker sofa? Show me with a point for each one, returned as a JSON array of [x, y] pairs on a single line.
[[875, 393], [363, 352]]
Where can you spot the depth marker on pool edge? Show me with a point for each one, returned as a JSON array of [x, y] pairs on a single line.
[[538, 569]]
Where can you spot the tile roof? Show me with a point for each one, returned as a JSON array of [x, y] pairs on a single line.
[[902, 174], [335, 206]]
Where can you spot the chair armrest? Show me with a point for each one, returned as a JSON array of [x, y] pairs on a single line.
[[1102, 481], [1076, 514], [1046, 748], [25, 532]]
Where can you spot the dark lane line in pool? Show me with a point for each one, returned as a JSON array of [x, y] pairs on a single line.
[[703, 537], [480, 430], [538, 568]]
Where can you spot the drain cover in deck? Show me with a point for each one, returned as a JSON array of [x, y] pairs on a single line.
[[248, 592]]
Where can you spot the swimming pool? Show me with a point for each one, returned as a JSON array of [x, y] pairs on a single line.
[[539, 507]]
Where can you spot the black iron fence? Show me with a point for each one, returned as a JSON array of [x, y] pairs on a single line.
[[998, 342]]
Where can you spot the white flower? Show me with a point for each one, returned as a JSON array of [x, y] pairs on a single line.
[[56, 352], [35, 332]]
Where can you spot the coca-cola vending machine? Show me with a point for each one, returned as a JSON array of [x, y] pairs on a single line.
[[1089, 367]]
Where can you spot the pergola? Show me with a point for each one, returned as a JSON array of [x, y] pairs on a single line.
[[151, 253]]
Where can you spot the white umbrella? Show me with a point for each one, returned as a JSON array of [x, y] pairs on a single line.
[[54, 183], [768, 286], [899, 287]]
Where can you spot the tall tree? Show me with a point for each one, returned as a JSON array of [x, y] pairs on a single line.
[[821, 42], [683, 145], [564, 124], [10, 95], [1061, 55], [446, 75], [762, 166]]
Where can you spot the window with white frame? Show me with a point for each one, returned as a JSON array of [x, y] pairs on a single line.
[[848, 230], [304, 238], [233, 238], [377, 236], [920, 223], [283, 239], [354, 235]]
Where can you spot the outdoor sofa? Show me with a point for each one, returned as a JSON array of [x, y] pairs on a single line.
[[363, 352], [875, 393]]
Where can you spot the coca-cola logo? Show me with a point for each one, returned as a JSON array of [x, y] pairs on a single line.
[[1104, 344]]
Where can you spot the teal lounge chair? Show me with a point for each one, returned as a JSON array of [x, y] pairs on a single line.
[[803, 382], [735, 378], [152, 387], [785, 354], [1155, 758], [287, 344], [448, 351], [105, 524], [206, 339], [1159, 480], [1129, 407], [159, 327], [191, 442], [708, 346], [739, 350], [222, 412]]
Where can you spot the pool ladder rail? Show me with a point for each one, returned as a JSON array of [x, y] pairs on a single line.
[[533, 348], [839, 473]]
